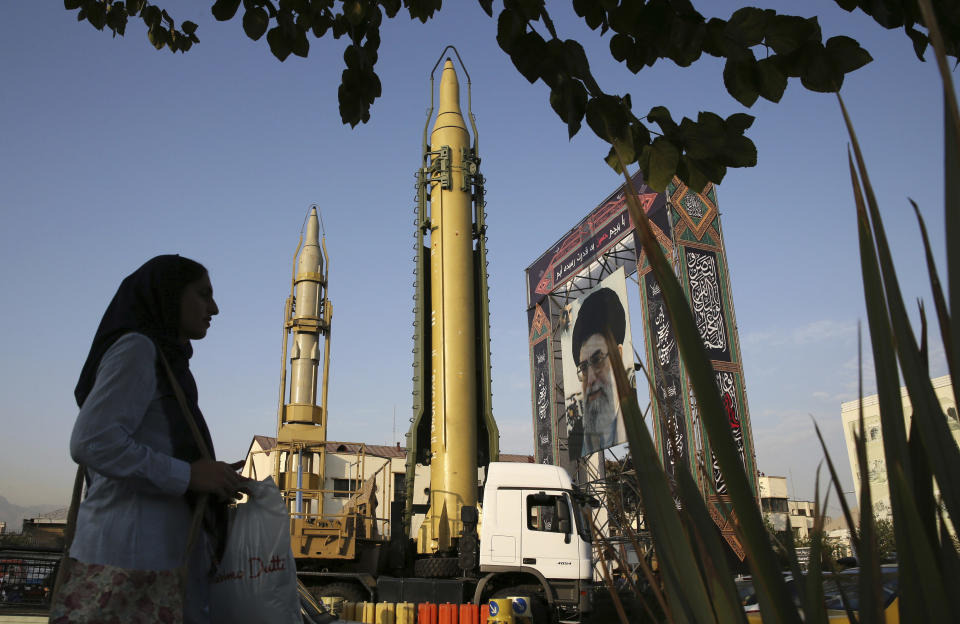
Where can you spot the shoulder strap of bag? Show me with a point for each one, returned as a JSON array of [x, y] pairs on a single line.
[[70, 530], [204, 452], [187, 412]]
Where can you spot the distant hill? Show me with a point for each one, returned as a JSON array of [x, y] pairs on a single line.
[[13, 514]]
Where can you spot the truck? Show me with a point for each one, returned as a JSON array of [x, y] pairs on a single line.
[[488, 528]]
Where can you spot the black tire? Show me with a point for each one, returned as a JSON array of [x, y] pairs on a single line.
[[540, 611], [437, 567], [347, 591]]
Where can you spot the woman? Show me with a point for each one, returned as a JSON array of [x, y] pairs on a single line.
[[144, 467]]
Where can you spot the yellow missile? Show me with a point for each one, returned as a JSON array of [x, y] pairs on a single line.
[[302, 419], [305, 356], [453, 367]]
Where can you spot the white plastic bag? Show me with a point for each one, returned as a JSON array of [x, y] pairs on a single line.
[[256, 582]]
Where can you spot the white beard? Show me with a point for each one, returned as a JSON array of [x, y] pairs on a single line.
[[599, 416]]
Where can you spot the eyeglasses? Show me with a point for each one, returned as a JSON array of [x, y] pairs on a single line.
[[595, 361]]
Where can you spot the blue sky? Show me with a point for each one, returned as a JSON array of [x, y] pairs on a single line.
[[113, 152]]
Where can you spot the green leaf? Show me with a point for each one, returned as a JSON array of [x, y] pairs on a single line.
[[224, 10], [818, 72], [771, 80], [280, 46], [664, 157], [300, 46], [510, 27], [739, 122], [70, 5], [528, 9], [569, 101], [740, 81], [787, 33], [620, 46], [354, 11], [97, 15], [188, 27], [846, 55], [747, 25], [661, 116], [575, 59], [608, 118], [255, 22], [158, 37], [528, 57], [486, 5], [422, 9], [592, 13]]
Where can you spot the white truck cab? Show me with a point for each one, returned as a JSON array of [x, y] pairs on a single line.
[[532, 528]]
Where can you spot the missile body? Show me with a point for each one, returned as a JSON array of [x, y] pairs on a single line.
[[305, 356], [453, 368], [302, 419]]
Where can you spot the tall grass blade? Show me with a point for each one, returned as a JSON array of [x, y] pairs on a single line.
[[939, 302], [949, 559], [888, 381], [812, 585], [772, 592], [723, 591], [869, 577], [922, 490], [605, 571], [686, 593], [935, 602], [942, 450], [847, 515], [647, 573]]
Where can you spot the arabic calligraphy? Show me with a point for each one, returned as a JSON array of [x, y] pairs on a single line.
[[542, 424], [705, 298], [667, 383], [728, 395]]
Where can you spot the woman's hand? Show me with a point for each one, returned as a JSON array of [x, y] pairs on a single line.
[[217, 478]]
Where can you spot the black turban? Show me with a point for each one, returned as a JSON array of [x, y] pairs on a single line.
[[600, 310]]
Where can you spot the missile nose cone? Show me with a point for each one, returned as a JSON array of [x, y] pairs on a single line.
[[448, 112], [313, 228], [311, 256]]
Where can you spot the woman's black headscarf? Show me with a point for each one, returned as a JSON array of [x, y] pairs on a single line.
[[148, 302]]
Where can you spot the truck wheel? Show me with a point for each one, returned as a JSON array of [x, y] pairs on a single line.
[[347, 591], [540, 612], [437, 567]]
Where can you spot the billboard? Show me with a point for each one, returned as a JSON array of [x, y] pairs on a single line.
[[594, 420], [598, 232]]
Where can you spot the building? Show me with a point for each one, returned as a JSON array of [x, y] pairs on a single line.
[[876, 462], [349, 465], [778, 508], [774, 501]]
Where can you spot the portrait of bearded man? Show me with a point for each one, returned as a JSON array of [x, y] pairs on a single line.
[[600, 312]]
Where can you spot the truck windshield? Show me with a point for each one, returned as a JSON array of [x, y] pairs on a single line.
[[583, 526]]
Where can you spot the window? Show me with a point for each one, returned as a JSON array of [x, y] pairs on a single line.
[[774, 504], [344, 488], [399, 486], [548, 512], [801, 512]]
